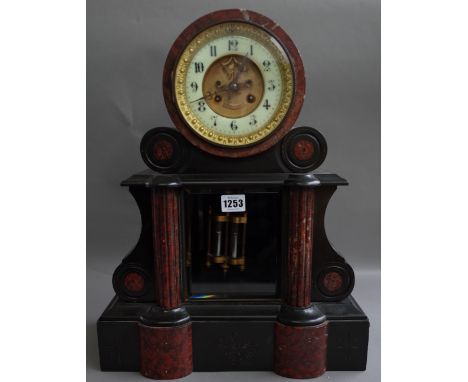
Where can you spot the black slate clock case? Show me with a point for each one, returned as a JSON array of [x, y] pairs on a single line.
[[212, 288], [225, 328]]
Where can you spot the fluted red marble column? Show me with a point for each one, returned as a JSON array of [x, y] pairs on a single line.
[[301, 329], [166, 330], [299, 260], [165, 206]]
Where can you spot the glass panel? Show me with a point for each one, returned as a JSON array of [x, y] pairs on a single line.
[[233, 255]]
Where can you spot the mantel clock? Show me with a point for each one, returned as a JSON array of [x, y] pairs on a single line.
[[233, 269]]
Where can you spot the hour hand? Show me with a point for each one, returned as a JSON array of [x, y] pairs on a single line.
[[208, 95]]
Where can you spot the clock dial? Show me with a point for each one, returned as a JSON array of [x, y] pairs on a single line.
[[233, 84]]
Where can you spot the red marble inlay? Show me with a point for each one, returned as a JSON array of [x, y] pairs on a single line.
[[299, 262], [300, 351], [166, 221], [166, 352], [134, 282], [332, 281], [163, 150], [303, 149]]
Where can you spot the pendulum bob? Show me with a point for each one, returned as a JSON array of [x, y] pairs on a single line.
[[237, 236], [219, 239]]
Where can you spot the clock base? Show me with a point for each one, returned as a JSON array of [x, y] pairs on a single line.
[[233, 336]]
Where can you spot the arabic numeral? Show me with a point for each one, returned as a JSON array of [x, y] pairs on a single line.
[[233, 125], [214, 119], [266, 105], [266, 65], [194, 86], [201, 106], [253, 120], [199, 67], [271, 85], [233, 45]]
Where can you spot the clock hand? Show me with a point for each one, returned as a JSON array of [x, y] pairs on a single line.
[[224, 89], [234, 86], [239, 67], [244, 59], [202, 98], [208, 95]]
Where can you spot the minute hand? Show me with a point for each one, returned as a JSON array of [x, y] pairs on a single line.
[[239, 68], [224, 89]]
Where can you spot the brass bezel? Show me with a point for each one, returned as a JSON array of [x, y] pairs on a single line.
[[185, 59]]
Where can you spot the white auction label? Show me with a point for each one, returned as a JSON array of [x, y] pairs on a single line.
[[232, 203]]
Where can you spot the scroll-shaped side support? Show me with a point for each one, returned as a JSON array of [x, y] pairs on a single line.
[[133, 279], [165, 329], [333, 277], [301, 328]]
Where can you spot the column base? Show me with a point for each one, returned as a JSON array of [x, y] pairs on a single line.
[[301, 336], [166, 352], [300, 351]]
